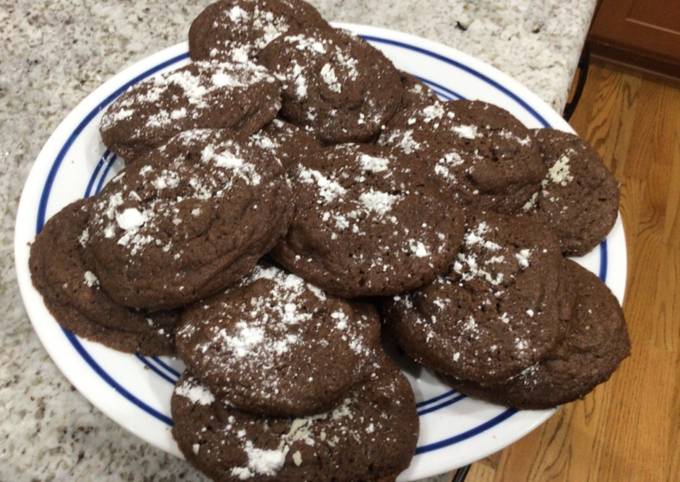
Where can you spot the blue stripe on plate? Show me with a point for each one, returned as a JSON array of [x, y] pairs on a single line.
[[47, 188], [174, 374], [40, 222], [467, 69], [113, 383], [99, 165], [468, 434], [439, 406], [42, 207], [451, 94], [603, 260], [155, 369], [435, 399], [167, 367], [441, 94], [100, 184]]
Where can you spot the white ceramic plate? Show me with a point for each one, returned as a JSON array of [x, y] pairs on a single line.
[[135, 391]]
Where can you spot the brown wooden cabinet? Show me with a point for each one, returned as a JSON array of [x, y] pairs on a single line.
[[642, 33]]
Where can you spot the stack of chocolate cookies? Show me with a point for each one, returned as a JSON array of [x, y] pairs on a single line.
[[288, 198]]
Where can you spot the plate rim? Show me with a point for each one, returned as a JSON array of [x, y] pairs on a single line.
[[37, 176]]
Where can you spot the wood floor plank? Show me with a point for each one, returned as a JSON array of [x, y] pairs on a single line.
[[628, 428], [480, 472]]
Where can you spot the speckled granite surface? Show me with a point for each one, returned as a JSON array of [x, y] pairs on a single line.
[[55, 52]]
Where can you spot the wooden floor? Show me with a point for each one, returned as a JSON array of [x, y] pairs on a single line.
[[629, 428]]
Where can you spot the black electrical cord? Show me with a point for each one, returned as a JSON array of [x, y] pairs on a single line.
[[460, 474], [583, 65]]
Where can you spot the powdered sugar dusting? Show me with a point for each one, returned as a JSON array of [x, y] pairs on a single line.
[[91, 280], [259, 25], [465, 131], [84, 237], [469, 266], [229, 157], [347, 63], [373, 164], [328, 189], [306, 43], [523, 257], [560, 173], [260, 462], [196, 393], [378, 202], [432, 112], [130, 219], [165, 180], [263, 328], [114, 117], [531, 203], [182, 95], [418, 248], [139, 216], [445, 165], [476, 237], [237, 14], [304, 430], [246, 338], [407, 143], [330, 78]]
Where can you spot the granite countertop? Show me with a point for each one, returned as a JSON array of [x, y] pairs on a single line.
[[55, 52]]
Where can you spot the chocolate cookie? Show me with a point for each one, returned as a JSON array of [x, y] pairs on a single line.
[[334, 83], [579, 199], [291, 144], [367, 224], [188, 220], [416, 93], [237, 30], [370, 436], [495, 313], [485, 157], [596, 341], [276, 345], [242, 97], [74, 297]]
